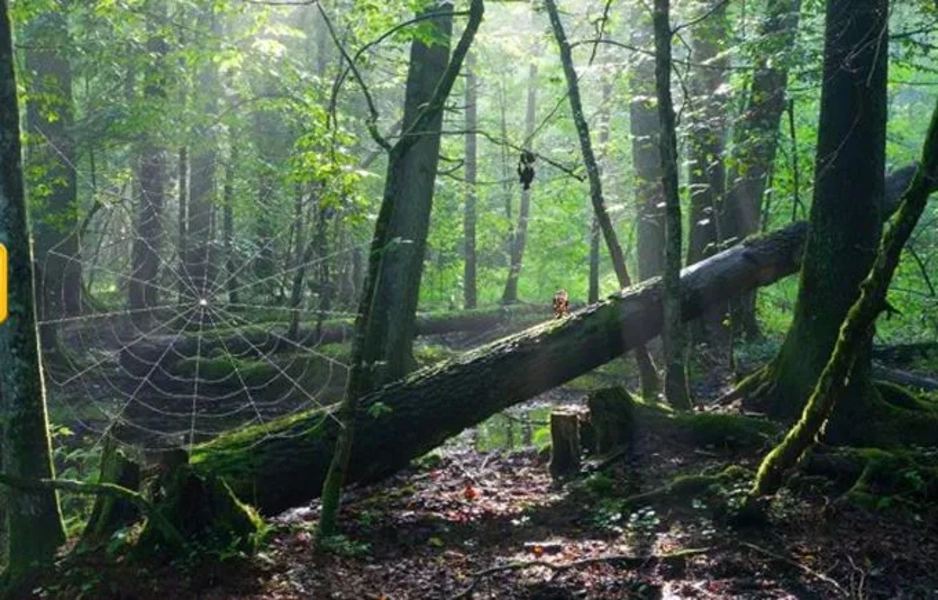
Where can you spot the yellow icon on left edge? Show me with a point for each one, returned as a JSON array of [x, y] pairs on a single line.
[[3, 283]]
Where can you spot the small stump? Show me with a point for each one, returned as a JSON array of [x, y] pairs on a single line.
[[565, 443], [612, 418]]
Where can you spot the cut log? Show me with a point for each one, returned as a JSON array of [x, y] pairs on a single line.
[[282, 463], [564, 443]]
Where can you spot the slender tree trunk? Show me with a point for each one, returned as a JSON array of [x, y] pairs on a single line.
[[33, 519], [706, 142], [846, 217], [602, 137], [199, 274], [231, 268], [469, 216], [706, 147], [393, 277], [143, 291], [645, 131], [756, 137], [50, 122], [647, 372], [519, 235], [182, 196], [672, 335]]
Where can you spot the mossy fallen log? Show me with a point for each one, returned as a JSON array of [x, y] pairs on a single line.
[[283, 463]]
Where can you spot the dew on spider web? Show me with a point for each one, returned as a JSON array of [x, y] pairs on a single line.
[[197, 362]]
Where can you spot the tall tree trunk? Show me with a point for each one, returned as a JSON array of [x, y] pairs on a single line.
[[519, 237], [33, 519], [469, 215], [182, 197], [706, 175], [200, 218], [852, 340], [672, 334], [384, 327], [231, 279], [50, 122], [645, 131], [846, 216], [756, 136], [647, 372], [143, 290], [602, 138], [706, 147]]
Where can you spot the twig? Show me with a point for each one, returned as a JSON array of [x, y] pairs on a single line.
[[628, 561], [804, 568]]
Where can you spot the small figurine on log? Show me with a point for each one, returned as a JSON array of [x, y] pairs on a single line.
[[561, 304]]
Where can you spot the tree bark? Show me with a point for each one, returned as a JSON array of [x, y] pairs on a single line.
[[199, 274], [381, 350], [143, 289], [646, 368], [706, 141], [756, 138], [846, 215], [409, 418], [852, 343], [33, 519], [645, 130], [706, 147]]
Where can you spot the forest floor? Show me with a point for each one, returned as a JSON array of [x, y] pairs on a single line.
[[463, 523]]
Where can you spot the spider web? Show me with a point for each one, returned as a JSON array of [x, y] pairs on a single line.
[[194, 364]]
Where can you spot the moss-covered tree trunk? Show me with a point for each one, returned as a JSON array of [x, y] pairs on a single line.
[[647, 372], [33, 519], [672, 335], [846, 218], [854, 335], [409, 418], [384, 327]]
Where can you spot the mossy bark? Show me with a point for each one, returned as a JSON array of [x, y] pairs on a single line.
[[110, 513], [33, 519], [611, 417], [384, 327], [835, 380], [673, 335], [846, 222]]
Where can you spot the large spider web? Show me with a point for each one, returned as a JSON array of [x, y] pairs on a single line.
[[195, 363]]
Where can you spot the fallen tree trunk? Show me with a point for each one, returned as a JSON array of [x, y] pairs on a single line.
[[255, 340], [283, 463]]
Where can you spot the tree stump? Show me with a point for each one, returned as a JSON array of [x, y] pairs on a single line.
[[611, 415], [565, 443]]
